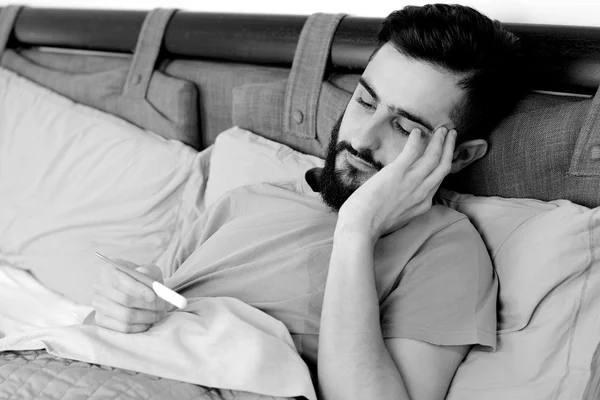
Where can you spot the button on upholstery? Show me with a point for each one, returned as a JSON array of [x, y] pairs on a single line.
[[298, 116]]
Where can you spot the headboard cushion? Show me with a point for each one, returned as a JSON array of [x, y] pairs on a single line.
[[215, 82], [533, 154], [137, 93], [260, 108], [301, 110]]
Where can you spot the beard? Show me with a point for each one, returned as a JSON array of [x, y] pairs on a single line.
[[339, 179]]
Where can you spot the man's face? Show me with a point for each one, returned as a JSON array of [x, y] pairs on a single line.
[[395, 95]]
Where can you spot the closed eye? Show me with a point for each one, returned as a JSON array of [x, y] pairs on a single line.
[[364, 104], [399, 128]]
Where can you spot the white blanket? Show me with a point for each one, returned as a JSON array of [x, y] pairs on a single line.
[[215, 342]]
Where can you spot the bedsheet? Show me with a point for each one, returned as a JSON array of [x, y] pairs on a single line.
[[219, 343]]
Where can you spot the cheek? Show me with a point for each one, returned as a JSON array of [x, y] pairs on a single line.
[[392, 147], [352, 119]]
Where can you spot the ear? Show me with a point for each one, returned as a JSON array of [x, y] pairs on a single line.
[[468, 152]]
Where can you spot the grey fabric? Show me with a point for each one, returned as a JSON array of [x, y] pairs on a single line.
[[306, 75], [35, 374], [531, 153], [259, 108], [8, 16], [301, 110], [216, 82], [149, 99], [146, 53], [76, 63], [586, 157]]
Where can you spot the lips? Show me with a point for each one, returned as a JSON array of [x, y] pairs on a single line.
[[358, 163]]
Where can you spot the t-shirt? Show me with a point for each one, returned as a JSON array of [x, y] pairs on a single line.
[[269, 245]]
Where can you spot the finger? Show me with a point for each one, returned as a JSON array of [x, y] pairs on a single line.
[[434, 180], [153, 271], [126, 315], [119, 326], [433, 153], [411, 151], [126, 300], [130, 286]]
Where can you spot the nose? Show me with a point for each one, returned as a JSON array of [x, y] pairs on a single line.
[[367, 136]]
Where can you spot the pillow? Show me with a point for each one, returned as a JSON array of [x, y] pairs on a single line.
[[241, 158], [547, 258], [169, 108], [74, 180]]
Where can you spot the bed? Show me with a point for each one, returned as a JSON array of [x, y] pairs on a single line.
[[118, 128]]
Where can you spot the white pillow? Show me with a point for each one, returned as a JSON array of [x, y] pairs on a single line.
[[74, 180], [241, 158], [547, 256]]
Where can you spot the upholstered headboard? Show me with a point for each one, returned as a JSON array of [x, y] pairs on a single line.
[[245, 70]]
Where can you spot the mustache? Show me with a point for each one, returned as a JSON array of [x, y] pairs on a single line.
[[365, 155]]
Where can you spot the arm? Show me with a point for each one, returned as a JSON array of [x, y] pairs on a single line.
[[354, 359]]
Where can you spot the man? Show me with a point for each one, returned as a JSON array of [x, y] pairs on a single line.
[[392, 290]]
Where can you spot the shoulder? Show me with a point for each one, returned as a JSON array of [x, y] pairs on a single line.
[[449, 243], [442, 220], [442, 246], [440, 223]]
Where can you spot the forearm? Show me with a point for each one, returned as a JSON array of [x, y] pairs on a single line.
[[354, 362]]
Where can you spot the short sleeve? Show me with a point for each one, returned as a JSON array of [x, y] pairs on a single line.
[[447, 292]]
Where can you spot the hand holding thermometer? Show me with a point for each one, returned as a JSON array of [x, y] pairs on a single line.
[[161, 290]]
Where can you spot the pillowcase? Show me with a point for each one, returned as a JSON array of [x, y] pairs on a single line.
[[241, 158], [547, 257], [74, 180]]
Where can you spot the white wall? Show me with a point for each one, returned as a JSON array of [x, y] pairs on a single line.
[[563, 12]]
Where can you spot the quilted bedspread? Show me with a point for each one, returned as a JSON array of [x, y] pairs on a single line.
[[36, 374]]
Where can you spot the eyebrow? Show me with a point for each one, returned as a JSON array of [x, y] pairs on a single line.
[[396, 110]]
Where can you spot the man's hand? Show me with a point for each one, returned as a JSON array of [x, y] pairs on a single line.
[[401, 190], [124, 304]]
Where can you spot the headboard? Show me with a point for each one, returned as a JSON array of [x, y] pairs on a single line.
[[549, 148]]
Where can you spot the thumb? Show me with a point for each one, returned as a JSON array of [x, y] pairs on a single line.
[[152, 271]]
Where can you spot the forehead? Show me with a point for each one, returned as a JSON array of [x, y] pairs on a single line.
[[413, 85]]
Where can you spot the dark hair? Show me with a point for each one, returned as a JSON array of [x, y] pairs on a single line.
[[487, 59]]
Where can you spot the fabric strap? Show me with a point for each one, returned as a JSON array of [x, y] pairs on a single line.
[[586, 156], [306, 75], [8, 16], [146, 52]]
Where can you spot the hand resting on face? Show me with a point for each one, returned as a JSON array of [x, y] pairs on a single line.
[[403, 189]]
